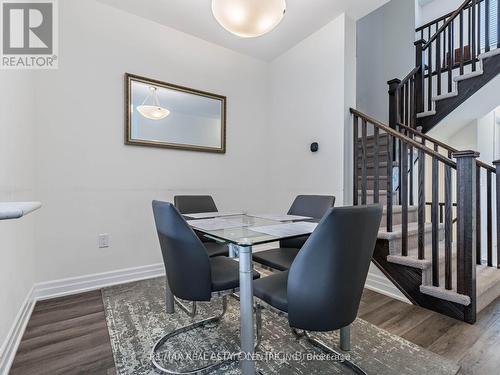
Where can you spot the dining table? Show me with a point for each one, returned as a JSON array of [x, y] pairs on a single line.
[[242, 232]]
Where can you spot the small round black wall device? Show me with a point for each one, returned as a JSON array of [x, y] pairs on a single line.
[[314, 147]]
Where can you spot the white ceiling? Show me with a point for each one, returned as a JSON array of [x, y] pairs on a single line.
[[194, 17]]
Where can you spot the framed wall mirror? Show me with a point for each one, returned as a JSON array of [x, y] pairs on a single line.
[[159, 114]]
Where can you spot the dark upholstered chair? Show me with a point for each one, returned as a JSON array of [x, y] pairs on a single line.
[[191, 274], [191, 204], [322, 290], [281, 258]]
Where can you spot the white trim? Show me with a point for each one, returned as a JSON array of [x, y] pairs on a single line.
[[80, 284], [11, 343], [382, 285]]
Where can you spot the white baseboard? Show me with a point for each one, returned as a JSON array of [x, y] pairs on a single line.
[[9, 347], [382, 285], [80, 284]]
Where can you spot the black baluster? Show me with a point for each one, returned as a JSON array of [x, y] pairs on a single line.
[[438, 63], [421, 201], [461, 37], [356, 161], [429, 78], [435, 221], [478, 216], [497, 199], [403, 187], [450, 58], [376, 166], [473, 33], [364, 153], [489, 221], [478, 27], [486, 25], [448, 228], [389, 186]]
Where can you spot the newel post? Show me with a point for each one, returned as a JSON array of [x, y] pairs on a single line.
[[419, 77], [466, 228], [393, 102], [496, 163]]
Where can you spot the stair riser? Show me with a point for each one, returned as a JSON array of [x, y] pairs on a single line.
[[370, 150], [370, 159], [382, 198], [370, 183], [382, 143], [395, 244], [397, 217], [370, 171]]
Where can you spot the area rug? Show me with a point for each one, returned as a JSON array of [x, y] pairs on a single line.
[[136, 318]]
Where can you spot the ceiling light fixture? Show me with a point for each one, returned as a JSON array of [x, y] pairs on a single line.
[[249, 18], [153, 112]]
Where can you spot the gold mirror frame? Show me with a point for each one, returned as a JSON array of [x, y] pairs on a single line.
[[128, 128]]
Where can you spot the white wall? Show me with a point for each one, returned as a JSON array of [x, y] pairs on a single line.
[[17, 181], [90, 182], [309, 99], [435, 9], [385, 51], [466, 138]]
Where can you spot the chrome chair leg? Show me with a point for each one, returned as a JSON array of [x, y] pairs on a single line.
[[345, 338], [191, 313], [189, 327], [321, 345], [258, 324]]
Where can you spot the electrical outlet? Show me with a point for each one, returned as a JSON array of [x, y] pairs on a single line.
[[103, 240]]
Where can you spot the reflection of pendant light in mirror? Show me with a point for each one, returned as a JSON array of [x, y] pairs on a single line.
[[249, 18], [153, 112]]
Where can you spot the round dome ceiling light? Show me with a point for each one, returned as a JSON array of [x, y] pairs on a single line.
[[249, 18]]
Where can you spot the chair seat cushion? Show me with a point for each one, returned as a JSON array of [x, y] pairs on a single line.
[[226, 274], [215, 249], [273, 290], [280, 259]]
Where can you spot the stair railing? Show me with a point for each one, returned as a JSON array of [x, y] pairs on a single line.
[[483, 169], [464, 171], [445, 47]]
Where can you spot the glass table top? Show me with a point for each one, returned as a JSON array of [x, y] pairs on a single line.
[[243, 235]]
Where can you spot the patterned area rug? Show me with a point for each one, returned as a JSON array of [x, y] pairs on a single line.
[[136, 318]]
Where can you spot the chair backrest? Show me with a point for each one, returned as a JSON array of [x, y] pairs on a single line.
[[186, 261], [190, 204], [326, 279], [308, 205], [311, 205]]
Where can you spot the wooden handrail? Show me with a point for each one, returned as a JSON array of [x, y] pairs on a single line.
[[445, 25], [405, 139], [430, 23], [445, 146], [408, 77]]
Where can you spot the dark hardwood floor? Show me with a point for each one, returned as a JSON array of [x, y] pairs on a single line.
[[66, 335], [69, 336]]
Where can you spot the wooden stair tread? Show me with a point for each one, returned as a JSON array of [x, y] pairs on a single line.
[[412, 260], [397, 230], [487, 288]]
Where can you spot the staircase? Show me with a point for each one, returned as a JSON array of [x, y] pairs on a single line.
[[455, 56], [428, 249], [428, 244]]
